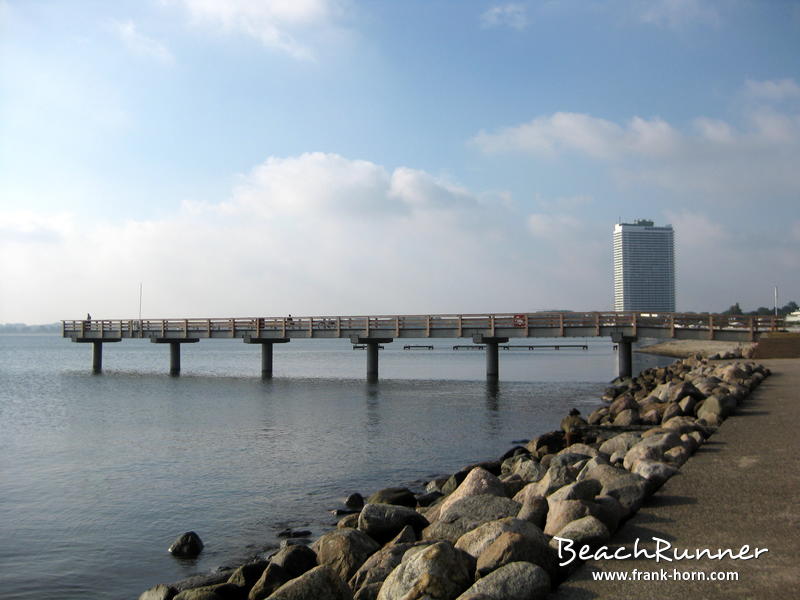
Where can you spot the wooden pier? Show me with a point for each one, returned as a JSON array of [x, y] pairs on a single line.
[[489, 332]]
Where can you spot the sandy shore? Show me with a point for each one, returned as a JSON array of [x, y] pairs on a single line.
[[684, 348]]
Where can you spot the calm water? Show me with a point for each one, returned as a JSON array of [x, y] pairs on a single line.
[[98, 474]]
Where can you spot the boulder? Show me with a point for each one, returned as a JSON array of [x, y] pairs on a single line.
[[656, 473], [394, 495], [534, 510], [320, 583], [608, 510], [586, 531], [579, 449], [546, 443], [651, 447], [248, 574], [354, 501], [407, 535], [514, 547], [623, 441], [478, 482], [187, 545], [438, 572], [626, 418], [350, 521], [368, 592], [384, 521], [561, 512], [557, 476], [513, 581], [273, 577], [467, 514], [573, 421], [378, 566], [629, 489], [476, 541], [586, 489], [295, 559], [527, 468], [159, 592], [344, 550]]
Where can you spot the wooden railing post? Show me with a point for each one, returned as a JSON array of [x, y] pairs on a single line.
[[460, 326], [711, 327]]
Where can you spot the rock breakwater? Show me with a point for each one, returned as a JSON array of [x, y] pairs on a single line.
[[490, 529]]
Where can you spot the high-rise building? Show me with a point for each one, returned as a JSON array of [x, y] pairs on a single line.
[[644, 267]]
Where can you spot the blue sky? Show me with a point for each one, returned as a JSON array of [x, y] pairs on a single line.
[[340, 157]]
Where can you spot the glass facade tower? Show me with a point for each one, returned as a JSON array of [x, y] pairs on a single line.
[[644, 267]]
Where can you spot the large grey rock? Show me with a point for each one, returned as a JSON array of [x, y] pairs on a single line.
[[344, 550], [320, 583], [273, 577], [514, 581], [476, 541], [378, 566], [511, 547], [557, 476], [628, 488], [655, 472], [651, 448], [608, 510], [586, 489], [586, 531], [435, 572], [562, 512], [384, 521], [580, 449], [368, 592], [295, 559], [527, 468], [624, 441], [161, 591], [478, 482], [467, 514], [248, 574], [394, 495], [187, 545], [534, 510]]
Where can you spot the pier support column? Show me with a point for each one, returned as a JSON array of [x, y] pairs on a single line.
[[97, 350], [624, 353], [266, 352], [492, 354], [372, 346], [174, 351], [97, 357]]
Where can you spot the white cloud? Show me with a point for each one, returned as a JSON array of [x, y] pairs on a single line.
[[315, 233], [140, 44], [772, 90], [599, 138], [713, 160], [278, 24], [679, 13], [506, 15]]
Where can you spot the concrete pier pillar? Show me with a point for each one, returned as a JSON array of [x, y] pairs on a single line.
[[624, 354], [97, 349], [174, 358], [492, 353], [97, 357], [372, 346], [174, 351], [266, 352]]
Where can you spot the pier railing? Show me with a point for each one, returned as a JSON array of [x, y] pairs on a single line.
[[537, 324]]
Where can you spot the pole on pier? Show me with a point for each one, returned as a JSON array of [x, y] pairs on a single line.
[[174, 351], [266, 352], [97, 357], [492, 354], [372, 345], [624, 353]]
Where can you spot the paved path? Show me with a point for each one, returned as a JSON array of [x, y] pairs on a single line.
[[742, 487]]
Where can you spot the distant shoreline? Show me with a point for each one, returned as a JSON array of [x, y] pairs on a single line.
[[686, 348]]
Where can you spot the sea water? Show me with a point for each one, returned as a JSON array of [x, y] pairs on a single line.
[[99, 473]]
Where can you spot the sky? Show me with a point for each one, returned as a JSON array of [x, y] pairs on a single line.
[[322, 157]]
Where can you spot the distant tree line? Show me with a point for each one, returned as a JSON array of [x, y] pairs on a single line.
[[789, 307], [23, 328]]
